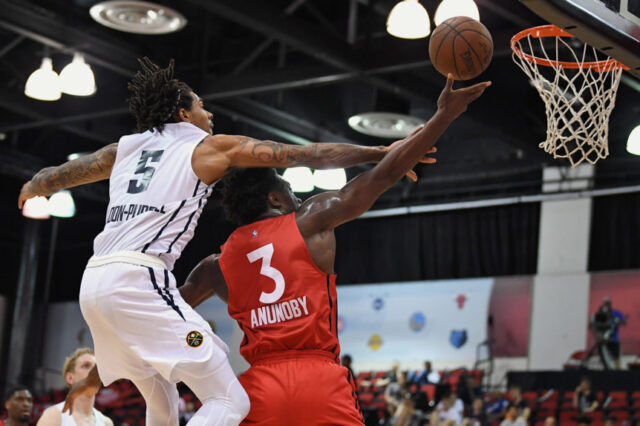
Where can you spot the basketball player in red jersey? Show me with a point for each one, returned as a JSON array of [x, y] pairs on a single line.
[[276, 274]]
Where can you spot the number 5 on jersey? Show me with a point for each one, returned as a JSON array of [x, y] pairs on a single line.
[[135, 186], [265, 253]]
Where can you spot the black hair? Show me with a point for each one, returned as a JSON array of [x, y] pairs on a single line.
[[14, 389], [156, 97], [245, 192]]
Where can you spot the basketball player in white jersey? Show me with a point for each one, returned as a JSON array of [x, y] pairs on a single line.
[[76, 367], [159, 182]]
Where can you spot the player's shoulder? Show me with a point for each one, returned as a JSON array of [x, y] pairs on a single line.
[[51, 416]]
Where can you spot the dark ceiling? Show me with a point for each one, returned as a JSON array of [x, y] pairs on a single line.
[[280, 70]]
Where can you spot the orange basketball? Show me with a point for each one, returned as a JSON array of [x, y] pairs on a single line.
[[461, 46]]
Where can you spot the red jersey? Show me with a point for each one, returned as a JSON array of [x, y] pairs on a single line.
[[279, 297]]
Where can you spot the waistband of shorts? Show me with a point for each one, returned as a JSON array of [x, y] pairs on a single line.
[[280, 356], [132, 257]]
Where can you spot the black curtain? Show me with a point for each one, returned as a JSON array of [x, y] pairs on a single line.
[[615, 232], [483, 242]]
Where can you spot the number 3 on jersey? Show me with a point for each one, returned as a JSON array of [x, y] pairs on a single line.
[[135, 186], [265, 253]]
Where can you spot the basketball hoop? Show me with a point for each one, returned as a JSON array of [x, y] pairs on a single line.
[[577, 86]]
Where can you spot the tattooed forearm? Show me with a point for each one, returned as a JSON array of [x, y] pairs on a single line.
[[316, 155], [87, 169]]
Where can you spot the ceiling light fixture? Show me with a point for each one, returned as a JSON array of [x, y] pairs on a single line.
[[331, 179], [36, 208], [61, 204], [139, 17], [43, 84], [300, 179], [77, 78], [409, 19], [450, 8], [385, 124], [633, 143]]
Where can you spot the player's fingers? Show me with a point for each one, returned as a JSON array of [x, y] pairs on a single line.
[[432, 150], [450, 80], [428, 160], [412, 175]]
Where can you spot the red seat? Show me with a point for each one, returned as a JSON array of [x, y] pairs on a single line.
[[380, 374], [364, 375], [620, 414], [635, 395], [619, 394], [430, 390], [595, 416], [618, 403], [568, 416], [365, 398]]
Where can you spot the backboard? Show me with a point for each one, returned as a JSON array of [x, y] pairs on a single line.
[[611, 26]]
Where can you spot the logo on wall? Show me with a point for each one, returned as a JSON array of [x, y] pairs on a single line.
[[458, 338], [340, 324], [375, 341], [461, 299], [378, 303], [417, 321]]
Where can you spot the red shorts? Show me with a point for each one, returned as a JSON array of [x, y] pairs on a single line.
[[308, 390]]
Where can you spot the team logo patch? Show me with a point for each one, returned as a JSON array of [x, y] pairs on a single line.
[[458, 338], [417, 321], [194, 339]]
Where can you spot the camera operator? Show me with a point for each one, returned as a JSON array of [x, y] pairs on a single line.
[[605, 323]]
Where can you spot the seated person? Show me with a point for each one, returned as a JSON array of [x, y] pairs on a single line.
[[585, 399], [513, 418], [450, 407]]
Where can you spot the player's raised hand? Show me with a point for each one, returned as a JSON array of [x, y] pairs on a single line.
[[455, 102]]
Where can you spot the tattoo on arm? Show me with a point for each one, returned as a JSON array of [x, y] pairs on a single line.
[[316, 155], [87, 169]]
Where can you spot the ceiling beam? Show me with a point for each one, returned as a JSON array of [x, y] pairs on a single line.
[[43, 26]]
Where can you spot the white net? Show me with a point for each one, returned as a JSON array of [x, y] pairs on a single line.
[[579, 94]]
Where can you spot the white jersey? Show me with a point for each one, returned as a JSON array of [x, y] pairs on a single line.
[[67, 419], [155, 198]]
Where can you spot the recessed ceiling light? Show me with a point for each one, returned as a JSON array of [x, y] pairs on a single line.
[[384, 124], [138, 17]]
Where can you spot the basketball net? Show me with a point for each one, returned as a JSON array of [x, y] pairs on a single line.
[[579, 95]]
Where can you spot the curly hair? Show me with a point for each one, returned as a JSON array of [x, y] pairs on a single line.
[[156, 97], [245, 192]]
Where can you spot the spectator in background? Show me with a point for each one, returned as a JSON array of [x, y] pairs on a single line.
[[610, 421], [396, 392], [477, 415], [346, 363], [425, 377], [19, 406], [497, 406], [515, 395], [468, 389], [76, 367], [393, 374], [550, 421], [514, 418], [616, 319], [450, 408], [584, 398]]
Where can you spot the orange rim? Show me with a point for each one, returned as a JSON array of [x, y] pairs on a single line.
[[553, 31]]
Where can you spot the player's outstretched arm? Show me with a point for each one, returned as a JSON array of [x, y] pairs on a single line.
[[219, 154], [205, 281], [329, 210], [86, 169]]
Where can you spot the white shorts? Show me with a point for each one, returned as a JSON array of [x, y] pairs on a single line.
[[141, 326]]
